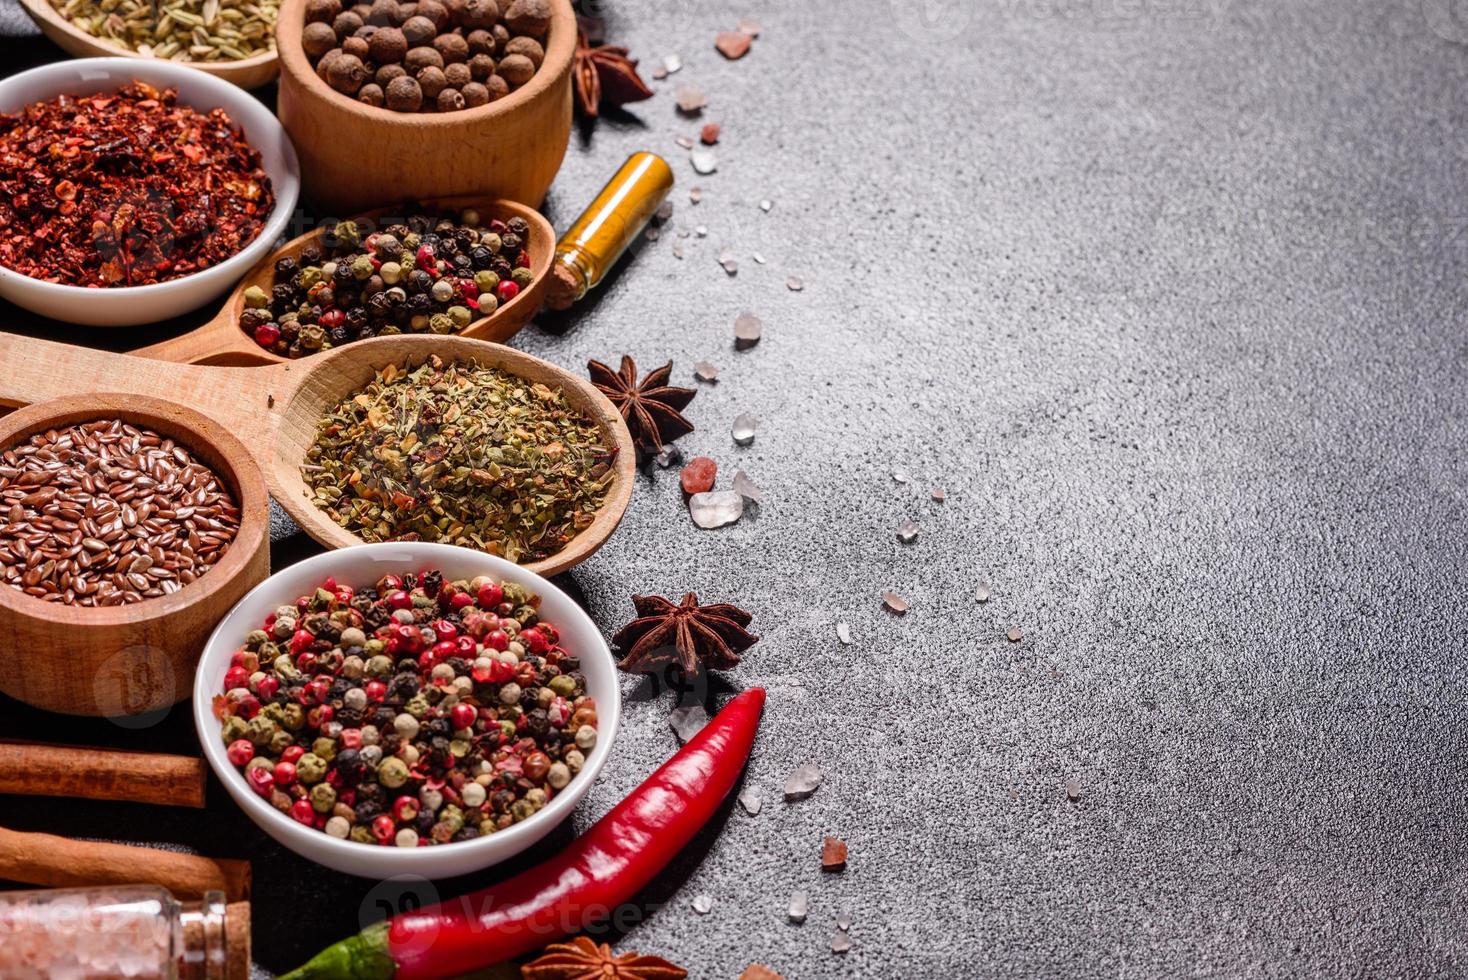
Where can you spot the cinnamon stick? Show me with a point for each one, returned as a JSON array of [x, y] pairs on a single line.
[[35, 769], [59, 862]]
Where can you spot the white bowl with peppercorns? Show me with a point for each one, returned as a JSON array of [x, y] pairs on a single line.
[[406, 708], [169, 243]]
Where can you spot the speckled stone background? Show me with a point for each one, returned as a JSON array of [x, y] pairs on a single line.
[[1168, 295]]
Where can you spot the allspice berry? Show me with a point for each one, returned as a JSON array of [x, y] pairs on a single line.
[[481, 66], [529, 47], [346, 24], [458, 75], [450, 100], [480, 14], [387, 45], [531, 17], [435, 12], [419, 58], [452, 47], [372, 95], [501, 35], [323, 67], [356, 47], [384, 13], [475, 95], [515, 69], [431, 81], [346, 74], [387, 73], [481, 42], [404, 95], [322, 11], [498, 88], [317, 39], [419, 30]]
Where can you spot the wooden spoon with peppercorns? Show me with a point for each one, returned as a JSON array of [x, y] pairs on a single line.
[[222, 341]]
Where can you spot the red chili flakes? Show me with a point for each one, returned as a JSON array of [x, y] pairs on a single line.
[[125, 189]]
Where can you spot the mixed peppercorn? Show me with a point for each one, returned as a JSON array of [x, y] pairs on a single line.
[[425, 274], [414, 712]]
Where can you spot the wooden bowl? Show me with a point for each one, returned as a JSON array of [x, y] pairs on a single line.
[[248, 73], [125, 662], [221, 341], [343, 370], [355, 156]]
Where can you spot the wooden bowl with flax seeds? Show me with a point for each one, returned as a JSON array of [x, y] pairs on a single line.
[[128, 527]]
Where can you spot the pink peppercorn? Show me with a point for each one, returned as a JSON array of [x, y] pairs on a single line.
[[236, 677], [292, 754], [404, 808], [468, 288], [332, 319], [240, 752], [261, 780], [398, 599], [268, 687], [497, 640], [285, 773], [507, 290], [534, 641], [266, 334], [463, 716], [247, 707], [445, 630], [376, 691], [491, 594], [460, 600], [351, 738], [301, 640], [302, 812], [383, 827], [425, 259], [522, 261]]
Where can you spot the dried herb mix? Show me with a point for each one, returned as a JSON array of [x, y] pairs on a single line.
[[463, 454], [125, 189], [426, 273]]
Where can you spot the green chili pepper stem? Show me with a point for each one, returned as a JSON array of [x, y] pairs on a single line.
[[360, 957]]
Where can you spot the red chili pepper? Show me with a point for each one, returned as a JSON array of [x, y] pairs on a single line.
[[602, 869]]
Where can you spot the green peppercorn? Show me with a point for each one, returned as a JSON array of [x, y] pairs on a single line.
[[255, 639], [392, 773], [417, 705], [295, 717], [260, 730], [522, 277], [347, 233], [563, 685], [275, 712], [441, 323], [281, 741], [326, 747], [323, 797], [313, 336], [362, 835], [256, 298], [311, 768], [521, 810], [486, 280], [233, 729], [461, 316]]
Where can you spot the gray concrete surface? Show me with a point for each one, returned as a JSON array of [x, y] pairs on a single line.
[[1168, 297]]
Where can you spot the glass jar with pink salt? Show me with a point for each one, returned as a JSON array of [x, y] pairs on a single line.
[[132, 931]]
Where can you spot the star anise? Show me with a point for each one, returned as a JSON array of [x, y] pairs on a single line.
[[605, 76], [652, 409], [582, 959], [684, 634]]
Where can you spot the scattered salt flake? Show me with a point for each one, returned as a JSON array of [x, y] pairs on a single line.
[[766, 204], [939, 494], [672, 63], [659, 73], [751, 800], [746, 487], [795, 284], [1073, 790], [677, 250], [715, 508], [1015, 634], [701, 231], [833, 854], [801, 783], [702, 904], [799, 907], [983, 592], [684, 142], [843, 922], [900, 475], [747, 330], [743, 429], [705, 161], [894, 602], [729, 262], [652, 233], [709, 135], [669, 456], [691, 100], [704, 371], [907, 532], [843, 633], [664, 211], [695, 194], [757, 257], [733, 44], [688, 722], [749, 26], [840, 943]]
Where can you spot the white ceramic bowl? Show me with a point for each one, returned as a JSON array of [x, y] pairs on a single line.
[[129, 305], [362, 566]]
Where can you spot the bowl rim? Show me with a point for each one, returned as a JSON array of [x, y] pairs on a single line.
[[237, 102], [560, 50], [304, 840], [240, 472]]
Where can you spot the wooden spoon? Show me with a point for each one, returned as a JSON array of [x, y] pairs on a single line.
[[274, 410], [221, 341], [247, 73]]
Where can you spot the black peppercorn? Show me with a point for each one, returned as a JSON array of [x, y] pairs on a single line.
[[510, 242], [519, 226]]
